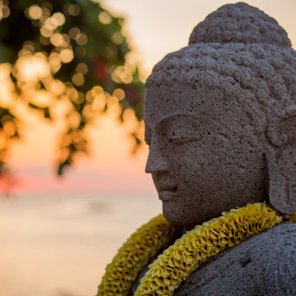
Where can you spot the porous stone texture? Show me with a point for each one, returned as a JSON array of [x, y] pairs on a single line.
[[220, 121], [239, 23]]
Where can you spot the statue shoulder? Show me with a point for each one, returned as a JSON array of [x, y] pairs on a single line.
[[262, 265]]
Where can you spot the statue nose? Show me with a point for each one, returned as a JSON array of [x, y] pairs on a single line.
[[157, 160]]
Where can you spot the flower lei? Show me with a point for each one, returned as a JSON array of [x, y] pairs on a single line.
[[178, 261], [133, 256]]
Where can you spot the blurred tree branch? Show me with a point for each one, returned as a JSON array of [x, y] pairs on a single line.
[[64, 51]]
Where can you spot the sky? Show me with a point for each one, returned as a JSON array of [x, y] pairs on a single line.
[[159, 27], [154, 29]]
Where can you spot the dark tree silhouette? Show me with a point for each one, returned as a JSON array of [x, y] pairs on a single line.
[[64, 51]]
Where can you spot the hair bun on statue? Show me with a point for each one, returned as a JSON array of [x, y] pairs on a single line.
[[239, 23]]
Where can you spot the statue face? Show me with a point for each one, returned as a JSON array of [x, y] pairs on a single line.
[[204, 158]]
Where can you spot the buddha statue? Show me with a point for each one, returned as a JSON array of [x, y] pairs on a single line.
[[220, 122]]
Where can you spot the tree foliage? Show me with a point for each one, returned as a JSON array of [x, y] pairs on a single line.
[[64, 51]]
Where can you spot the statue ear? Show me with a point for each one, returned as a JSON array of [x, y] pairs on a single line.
[[281, 160]]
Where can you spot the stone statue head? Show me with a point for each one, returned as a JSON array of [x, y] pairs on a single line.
[[220, 117]]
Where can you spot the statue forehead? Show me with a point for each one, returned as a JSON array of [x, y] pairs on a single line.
[[196, 100]]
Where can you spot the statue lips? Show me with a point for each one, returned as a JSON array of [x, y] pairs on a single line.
[[166, 192]]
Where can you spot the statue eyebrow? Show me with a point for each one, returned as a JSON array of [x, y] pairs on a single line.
[[173, 116]]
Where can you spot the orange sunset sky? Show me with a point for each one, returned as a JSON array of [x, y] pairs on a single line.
[[154, 29]]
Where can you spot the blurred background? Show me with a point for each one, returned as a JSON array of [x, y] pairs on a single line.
[[72, 157]]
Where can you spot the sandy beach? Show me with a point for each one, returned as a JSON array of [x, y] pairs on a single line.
[[60, 245]]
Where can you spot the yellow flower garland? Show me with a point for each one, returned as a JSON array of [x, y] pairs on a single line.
[[132, 257], [185, 255]]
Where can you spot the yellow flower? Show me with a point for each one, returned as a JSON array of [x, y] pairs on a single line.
[[131, 258]]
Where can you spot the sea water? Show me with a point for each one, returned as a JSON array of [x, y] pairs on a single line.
[[59, 246]]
